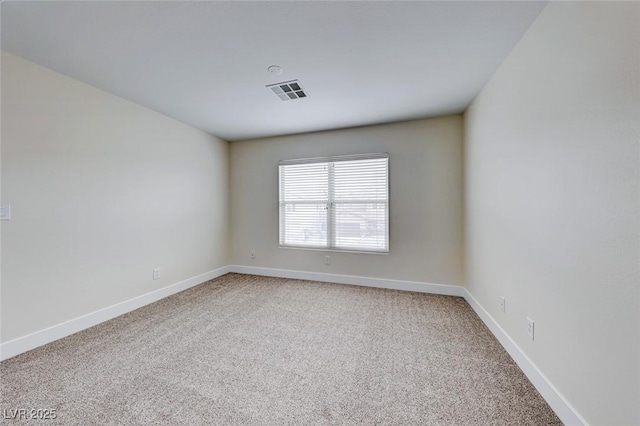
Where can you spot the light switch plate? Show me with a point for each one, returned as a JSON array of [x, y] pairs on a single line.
[[5, 212]]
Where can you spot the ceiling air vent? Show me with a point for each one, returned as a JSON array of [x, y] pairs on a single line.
[[288, 90]]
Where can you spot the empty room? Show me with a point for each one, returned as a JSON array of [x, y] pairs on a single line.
[[309, 212]]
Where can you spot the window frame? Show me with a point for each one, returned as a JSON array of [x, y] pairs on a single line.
[[330, 225]]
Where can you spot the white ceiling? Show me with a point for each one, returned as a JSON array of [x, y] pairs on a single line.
[[205, 63]]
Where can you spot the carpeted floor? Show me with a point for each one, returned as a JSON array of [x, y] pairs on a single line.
[[243, 349]]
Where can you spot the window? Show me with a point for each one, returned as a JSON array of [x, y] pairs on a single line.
[[337, 203]]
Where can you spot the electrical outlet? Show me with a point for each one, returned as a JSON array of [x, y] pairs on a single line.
[[503, 304], [530, 328], [252, 254], [156, 273], [327, 260]]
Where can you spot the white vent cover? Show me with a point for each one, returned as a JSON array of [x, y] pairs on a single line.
[[288, 90]]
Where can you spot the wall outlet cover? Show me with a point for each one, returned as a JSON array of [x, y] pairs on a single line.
[[531, 328]]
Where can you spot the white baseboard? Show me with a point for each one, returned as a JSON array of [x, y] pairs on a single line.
[[42, 337], [554, 398], [558, 403], [449, 290]]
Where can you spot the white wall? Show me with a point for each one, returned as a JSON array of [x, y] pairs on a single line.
[[425, 200], [552, 202], [101, 191]]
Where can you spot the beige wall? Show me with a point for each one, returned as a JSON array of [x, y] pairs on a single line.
[[101, 191], [552, 202], [425, 200]]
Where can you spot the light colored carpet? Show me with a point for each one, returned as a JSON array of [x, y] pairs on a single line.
[[243, 349]]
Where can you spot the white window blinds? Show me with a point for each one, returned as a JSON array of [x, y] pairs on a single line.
[[339, 203]]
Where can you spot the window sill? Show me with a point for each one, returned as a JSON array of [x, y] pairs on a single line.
[[384, 253]]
